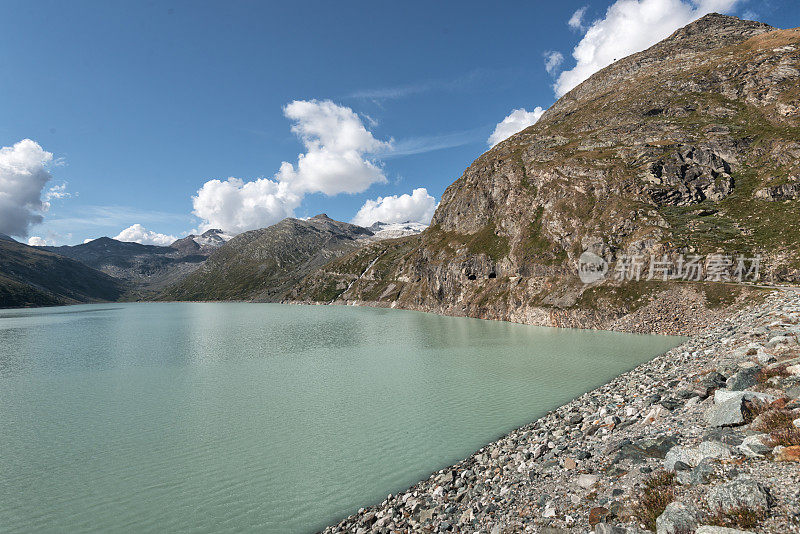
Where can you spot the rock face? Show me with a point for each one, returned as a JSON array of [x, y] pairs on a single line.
[[30, 276], [662, 153], [263, 264]]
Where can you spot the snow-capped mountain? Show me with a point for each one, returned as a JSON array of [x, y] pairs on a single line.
[[382, 230]]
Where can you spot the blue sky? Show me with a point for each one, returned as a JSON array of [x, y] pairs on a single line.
[[141, 103]]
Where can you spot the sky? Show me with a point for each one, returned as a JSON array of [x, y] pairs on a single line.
[[147, 121]]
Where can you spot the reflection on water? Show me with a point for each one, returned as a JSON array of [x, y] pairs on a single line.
[[229, 417]]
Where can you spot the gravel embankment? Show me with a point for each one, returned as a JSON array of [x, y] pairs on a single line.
[[702, 438]]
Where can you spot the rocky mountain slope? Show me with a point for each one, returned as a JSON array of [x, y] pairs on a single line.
[[263, 264], [30, 276], [689, 147]]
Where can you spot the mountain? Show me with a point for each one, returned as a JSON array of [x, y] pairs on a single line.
[[206, 242], [689, 147], [30, 276], [146, 268], [263, 264], [382, 230]]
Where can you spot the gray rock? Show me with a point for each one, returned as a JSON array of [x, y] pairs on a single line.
[[678, 518], [707, 529], [754, 446], [740, 493], [605, 528], [703, 472], [744, 379], [727, 413], [723, 395], [692, 456], [642, 449]]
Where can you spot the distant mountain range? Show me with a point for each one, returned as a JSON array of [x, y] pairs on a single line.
[[257, 265], [264, 264], [146, 268]]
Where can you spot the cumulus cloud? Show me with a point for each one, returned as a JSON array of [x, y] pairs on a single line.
[[416, 207], [630, 26], [236, 206], [137, 233], [339, 158], [518, 120], [36, 241], [553, 60], [576, 20], [23, 177]]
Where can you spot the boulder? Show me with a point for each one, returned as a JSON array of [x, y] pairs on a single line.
[[708, 529], [722, 395], [754, 446], [739, 493], [692, 456], [678, 518], [746, 378], [727, 413]]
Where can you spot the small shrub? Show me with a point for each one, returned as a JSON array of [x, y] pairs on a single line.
[[658, 492], [741, 517], [752, 409], [764, 375], [775, 420], [787, 437]]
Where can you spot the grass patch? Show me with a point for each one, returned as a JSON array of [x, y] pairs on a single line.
[[658, 492], [720, 295], [786, 437], [486, 241], [770, 420], [628, 296], [736, 518], [536, 247], [764, 374]]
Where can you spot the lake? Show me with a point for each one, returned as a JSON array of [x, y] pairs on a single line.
[[232, 417]]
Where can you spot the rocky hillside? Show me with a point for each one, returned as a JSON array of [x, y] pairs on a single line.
[[30, 276], [689, 147], [263, 264]]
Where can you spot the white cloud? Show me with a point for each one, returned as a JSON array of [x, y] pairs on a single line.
[[36, 241], [337, 145], [236, 206], [518, 120], [23, 176], [137, 233], [416, 207], [576, 20], [57, 192], [338, 159], [630, 26], [552, 60]]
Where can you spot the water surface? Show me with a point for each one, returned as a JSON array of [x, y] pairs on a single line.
[[232, 417]]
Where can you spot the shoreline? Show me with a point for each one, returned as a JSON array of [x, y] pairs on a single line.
[[584, 465]]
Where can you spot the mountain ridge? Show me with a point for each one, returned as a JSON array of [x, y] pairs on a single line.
[[668, 151]]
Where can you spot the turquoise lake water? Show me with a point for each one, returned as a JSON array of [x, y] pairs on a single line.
[[235, 417]]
